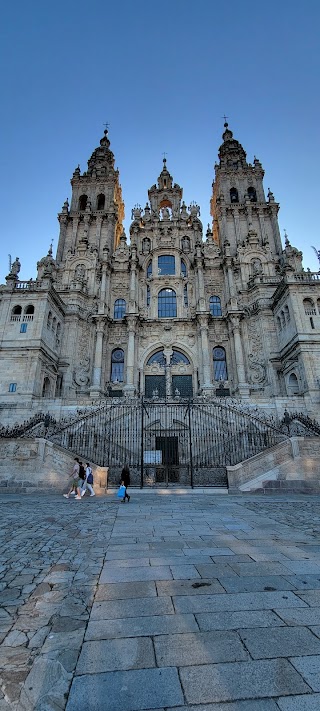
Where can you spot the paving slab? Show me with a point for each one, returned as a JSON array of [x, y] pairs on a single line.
[[238, 620], [237, 601], [283, 642], [252, 583], [122, 591], [115, 655], [113, 609], [241, 680], [126, 575], [198, 648], [300, 703], [309, 668], [141, 626], [261, 705], [133, 690]]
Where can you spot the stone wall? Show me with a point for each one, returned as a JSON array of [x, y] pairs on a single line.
[[27, 465], [293, 465]]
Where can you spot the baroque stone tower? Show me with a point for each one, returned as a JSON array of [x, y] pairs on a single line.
[[171, 314]]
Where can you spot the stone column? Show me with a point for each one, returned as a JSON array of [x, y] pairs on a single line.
[[129, 388], [201, 306], [95, 389], [133, 280], [243, 386], [206, 384]]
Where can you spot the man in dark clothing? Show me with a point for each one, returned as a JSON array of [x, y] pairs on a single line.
[[125, 481]]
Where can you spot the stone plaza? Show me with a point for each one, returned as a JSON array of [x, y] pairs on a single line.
[[179, 601]]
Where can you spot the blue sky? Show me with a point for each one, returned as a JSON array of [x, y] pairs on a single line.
[[162, 74]]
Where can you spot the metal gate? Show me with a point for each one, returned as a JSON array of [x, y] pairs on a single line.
[[166, 457], [183, 443]]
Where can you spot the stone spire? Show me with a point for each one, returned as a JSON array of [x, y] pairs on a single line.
[[102, 159], [231, 151]]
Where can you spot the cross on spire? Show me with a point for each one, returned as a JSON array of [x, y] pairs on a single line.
[[106, 127], [164, 156], [225, 118]]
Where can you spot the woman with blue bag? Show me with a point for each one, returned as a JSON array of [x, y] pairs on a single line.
[[125, 481]]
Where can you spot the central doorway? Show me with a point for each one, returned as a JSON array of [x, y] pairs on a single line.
[[168, 472]]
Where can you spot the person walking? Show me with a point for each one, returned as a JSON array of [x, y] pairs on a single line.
[[88, 482], [76, 482], [125, 481]]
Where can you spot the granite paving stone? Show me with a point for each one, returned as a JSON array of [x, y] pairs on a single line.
[[258, 583], [237, 620], [141, 626], [309, 668], [302, 616], [240, 680], [300, 703], [116, 654], [133, 690], [237, 601], [284, 642], [188, 587], [181, 650], [113, 609]]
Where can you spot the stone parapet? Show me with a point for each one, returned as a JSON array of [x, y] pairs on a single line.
[[29, 465]]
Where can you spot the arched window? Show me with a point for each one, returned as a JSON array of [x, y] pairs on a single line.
[[83, 199], [166, 264], [117, 365], [318, 305], [16, 313], [49, 320], [283, 319], [252, 194], [29, 309], [157, 357], [279, 323], [58, 333], [183, 268], [101, 201], [287, 313], [215, 306], [178, 357], [219, 364], [119, 308], [185, 295], [149, 270], [46, 387], [309, 307], [148, 295], [54, 323], [293, 384], [167, 303], [234, 195]]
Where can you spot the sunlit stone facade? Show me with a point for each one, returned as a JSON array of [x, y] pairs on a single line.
[[168, 312]]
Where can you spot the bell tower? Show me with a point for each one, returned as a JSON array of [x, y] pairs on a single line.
[[94, 219]]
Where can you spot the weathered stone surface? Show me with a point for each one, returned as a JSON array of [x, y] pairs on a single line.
[[300, 703], [115, 654], [284, 642], [45, 678], [126, 690], [181, 650], [240, 680], [309, 668]]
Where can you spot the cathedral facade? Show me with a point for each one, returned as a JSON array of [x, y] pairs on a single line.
[[171, 313]]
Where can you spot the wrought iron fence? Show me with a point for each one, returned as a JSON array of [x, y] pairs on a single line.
[[168, 443]]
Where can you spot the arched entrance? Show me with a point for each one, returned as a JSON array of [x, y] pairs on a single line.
[[168, 373]]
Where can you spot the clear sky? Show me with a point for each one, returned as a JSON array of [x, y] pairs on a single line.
[[162, 74]]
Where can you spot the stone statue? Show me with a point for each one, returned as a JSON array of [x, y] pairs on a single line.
[[15, 267]]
